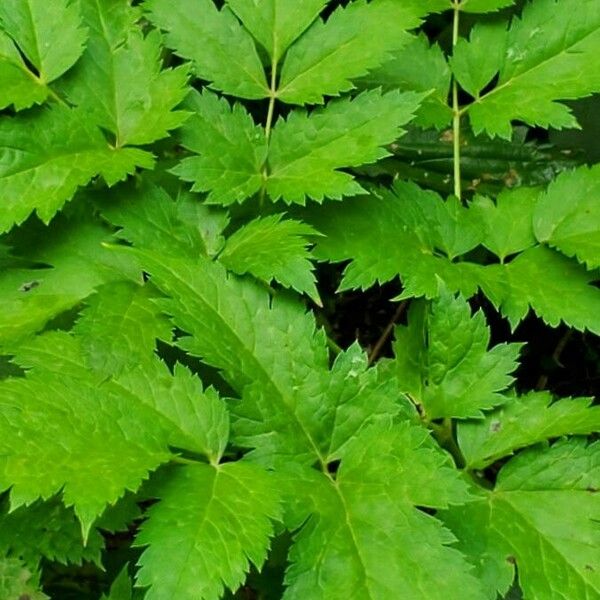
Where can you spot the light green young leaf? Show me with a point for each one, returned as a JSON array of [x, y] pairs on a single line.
[[276, 23], [484, 6], [542, 519], [220, 49], [45, 155], [567, 216], [355, 39], [37, 25], [18, 86], [18, 581], [547, 49], [460, 377], [307, 149], [418, 67], [524, 421], [212, 522], [232, 149], [57, 432], [47, 530], [475, 62], [507, 224], [351, 523], [119, 82], [120, 326], [555, 287], [77, 263], [271, 248]]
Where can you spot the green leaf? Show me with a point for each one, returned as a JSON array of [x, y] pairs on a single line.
[[460, 377], [64, 418], [232, 150], [417, 67], [120, 327], [524, 421], [271, 248], [507, 224], [572, 227], [47, 530], [475, 62], [18, 86], [355, 39], [119, 82], [220, 49], [556, 288], [350, 523], [542, 519], [276, 23], [47, 154], [483, 6], [547, 49], [121, 588], [18, 581], [212, 521], [307, 149], [37, 25]]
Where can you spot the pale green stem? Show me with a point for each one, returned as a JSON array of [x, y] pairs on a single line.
[[456, 112]]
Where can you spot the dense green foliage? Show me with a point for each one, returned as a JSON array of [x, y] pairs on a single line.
[[173, 404]]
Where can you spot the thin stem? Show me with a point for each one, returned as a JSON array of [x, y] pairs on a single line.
[[386, 332], [269, 124], [456, 111]]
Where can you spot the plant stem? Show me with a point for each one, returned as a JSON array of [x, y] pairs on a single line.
[[272, 96], [456, 111], [387, 332]]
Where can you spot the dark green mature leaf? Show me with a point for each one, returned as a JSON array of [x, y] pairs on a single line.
[[567, 216], [547, 49], [232, 149], [119, 82], [220, 49], [524, 421], [308, 149], [237, 500], [354, 39]]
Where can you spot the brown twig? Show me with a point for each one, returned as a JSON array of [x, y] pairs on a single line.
[[387, 332], [564, 340]]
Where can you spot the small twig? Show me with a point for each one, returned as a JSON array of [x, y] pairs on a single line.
[[562, 343], [387, 332]]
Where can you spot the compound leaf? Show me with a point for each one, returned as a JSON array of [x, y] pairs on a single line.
[[232, 150], [213, 521], [523, 421], [221, 50], [307, 149], [572, 226]]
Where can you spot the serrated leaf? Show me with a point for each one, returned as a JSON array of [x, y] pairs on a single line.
[[18, 86], [18, 581], [64, 416], [47, 530], [220, 49], [276, 23], [119, 82], [475, 62], [542, 517], [523, 421], [567, 216], [119, 327], [345, 549], [565, 294], [213, 521], [47, 154], [507, 224], [271, 248], [121, 588], [483, 6], [36, 25], [417, 67], [308, 149], [546, 50], [460, 377], [232, 149], [354, 39]]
